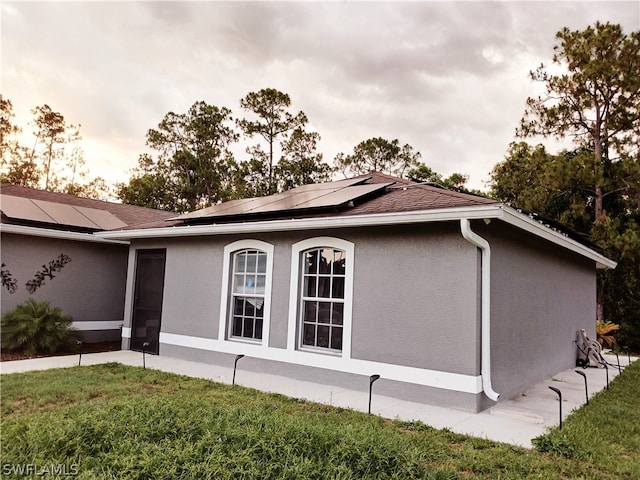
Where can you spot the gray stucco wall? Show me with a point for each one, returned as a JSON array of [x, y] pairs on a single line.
[[415, 292], [89, 288], [541, 295], [416, 303]]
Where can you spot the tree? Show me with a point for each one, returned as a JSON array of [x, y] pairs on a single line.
[[194, 168], [274, 123], [8, 130], [379, 155], [596, 101], [56, 156], [300, 164], [594, 188], [423, 173], [50, 129]]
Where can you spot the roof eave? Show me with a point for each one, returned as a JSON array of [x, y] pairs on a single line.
[[314, 223], [496, 210], [57, 234]]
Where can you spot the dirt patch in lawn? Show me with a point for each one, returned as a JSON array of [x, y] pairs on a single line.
[[8, 356]]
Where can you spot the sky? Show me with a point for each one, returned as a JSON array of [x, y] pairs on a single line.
[[448, 78]]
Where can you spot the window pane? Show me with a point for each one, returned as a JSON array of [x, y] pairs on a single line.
[[324, 287], [238, 283], [237, 327], [326, 259], [338, 287], [248, 327], [336, 338], [339, 261], [337, 312], [324, 312], [240, 262], [238, 306], [258, 330], [323, 336], [262, 262], [260, 284], [309, 337], [252, 262], [311, 262], [309, 287], [310, 309]]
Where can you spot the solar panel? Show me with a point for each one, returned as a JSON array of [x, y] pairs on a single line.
[[343, 195], [102, 218], [23, 208], [65, 214], [59, 213], [318, 195]]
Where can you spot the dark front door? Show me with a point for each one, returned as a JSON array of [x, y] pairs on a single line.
[[147, 300]]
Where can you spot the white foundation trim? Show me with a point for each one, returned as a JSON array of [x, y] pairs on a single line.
[[98, 325], [429, 378]]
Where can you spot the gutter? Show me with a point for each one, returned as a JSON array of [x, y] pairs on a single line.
[[485, 293]]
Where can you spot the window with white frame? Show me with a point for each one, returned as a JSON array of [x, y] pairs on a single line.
[[324, 279], [322, 308], [246, 294]]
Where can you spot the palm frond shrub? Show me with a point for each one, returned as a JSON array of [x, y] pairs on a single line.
[[603, 330], [37, 327]]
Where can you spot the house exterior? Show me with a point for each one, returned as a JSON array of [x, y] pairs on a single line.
[[451, 298], [49, 252]]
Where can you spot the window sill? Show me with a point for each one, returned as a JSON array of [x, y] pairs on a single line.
[[321, 351]]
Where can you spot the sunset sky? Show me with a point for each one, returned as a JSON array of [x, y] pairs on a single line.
[[448, 78]]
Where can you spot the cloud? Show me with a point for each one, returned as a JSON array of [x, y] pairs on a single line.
[[449, 78]]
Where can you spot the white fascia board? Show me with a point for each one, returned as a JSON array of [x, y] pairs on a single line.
[[495, 210], [522, 221], [58, 234], [316, 223]]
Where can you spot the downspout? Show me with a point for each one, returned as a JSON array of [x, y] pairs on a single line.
[[485, 313]]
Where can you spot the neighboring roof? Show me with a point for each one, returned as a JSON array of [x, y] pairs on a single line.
[[59, 211], [399, 201]]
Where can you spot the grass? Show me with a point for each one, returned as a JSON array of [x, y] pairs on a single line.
[[114, 421]]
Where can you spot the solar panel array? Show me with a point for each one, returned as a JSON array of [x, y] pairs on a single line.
[[58, 213], [312, 196]]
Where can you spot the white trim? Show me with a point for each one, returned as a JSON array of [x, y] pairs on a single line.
[[224, 289], [315, 223], [419, 376], [494, 210], [98, 325], [58, 234], [485, 312], [126, 332], [295, 288]]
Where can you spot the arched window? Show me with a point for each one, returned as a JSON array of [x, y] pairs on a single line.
[[323, 278], [247, 291], [322, 299]]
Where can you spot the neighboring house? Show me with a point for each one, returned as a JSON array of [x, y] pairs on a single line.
[[49, 252]]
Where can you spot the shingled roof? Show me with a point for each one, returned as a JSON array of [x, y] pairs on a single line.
[[130, 215], [397, 195]]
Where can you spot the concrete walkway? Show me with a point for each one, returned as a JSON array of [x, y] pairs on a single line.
[[514, 421]]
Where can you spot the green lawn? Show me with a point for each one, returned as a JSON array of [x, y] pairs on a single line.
[[114, 421]]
